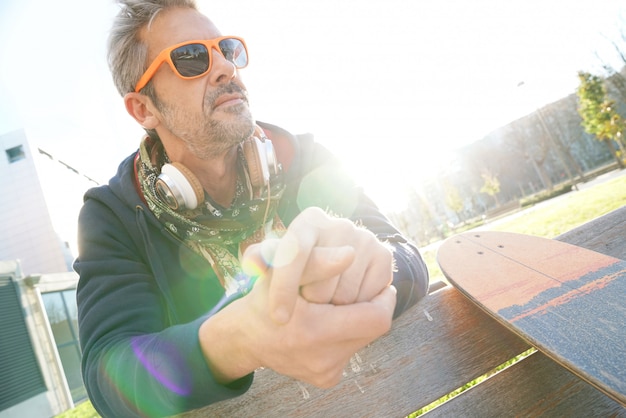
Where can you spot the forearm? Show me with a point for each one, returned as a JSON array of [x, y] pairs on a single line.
[[138, 360], [224, 347], [154, 374]]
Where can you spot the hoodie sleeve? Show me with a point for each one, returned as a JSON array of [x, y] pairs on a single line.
[[134, 363]]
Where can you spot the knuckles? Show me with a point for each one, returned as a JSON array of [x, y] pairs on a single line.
[[306, 350]]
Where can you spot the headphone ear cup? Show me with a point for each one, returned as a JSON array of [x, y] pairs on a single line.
[[193, 182], [178, 187], [257, 166]]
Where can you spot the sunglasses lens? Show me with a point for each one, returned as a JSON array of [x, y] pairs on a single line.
[[190, 60], [234, 51]]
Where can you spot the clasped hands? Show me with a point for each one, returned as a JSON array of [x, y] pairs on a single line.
[[324, 292], [324, 260]]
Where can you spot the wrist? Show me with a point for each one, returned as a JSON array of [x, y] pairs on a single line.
[[225, 347]]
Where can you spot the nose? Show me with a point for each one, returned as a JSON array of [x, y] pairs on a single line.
[[222, 70]]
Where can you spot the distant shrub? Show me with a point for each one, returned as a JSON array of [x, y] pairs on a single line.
[[545, 195]]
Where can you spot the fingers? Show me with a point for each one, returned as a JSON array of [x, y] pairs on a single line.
[[291, 258], [317, 282], [371, 271], [323, 272], [357, 323], [289, 262], [324, 262]]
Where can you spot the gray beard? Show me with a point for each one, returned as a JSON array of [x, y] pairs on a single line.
[[219, 136], [207, 138]]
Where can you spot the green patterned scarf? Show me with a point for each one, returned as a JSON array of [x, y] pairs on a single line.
[[218, 234]]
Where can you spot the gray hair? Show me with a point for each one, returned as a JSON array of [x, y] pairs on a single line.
[[126, 52]]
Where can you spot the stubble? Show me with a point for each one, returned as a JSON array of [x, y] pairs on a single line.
[[206, 134]]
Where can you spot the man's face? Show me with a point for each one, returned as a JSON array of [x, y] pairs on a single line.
[[209, 114]]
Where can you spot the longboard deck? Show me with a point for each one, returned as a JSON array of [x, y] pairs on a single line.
[[567, 301]]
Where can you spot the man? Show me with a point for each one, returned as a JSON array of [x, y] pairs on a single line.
[[208, 255]]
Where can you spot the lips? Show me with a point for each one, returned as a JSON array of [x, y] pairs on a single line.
[[226, 99]]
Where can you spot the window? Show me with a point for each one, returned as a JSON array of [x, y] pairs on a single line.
[[63, 317], [16, 153]]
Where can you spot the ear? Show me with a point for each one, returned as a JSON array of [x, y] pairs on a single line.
[[140, 107]]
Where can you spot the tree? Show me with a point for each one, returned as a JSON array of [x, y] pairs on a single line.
[[491, 186], [598, 114], [453, 199], [418, 220]]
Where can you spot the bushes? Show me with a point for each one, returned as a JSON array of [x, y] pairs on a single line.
[[545, 195]]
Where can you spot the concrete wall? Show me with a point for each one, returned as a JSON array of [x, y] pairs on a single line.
[[26, 230]]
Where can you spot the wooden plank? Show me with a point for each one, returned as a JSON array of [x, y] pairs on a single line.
[[535, 387], [606, 235], [435, 347]]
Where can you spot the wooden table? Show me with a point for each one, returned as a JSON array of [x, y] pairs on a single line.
[[435, 347]]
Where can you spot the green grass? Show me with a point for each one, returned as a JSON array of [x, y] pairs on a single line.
[[473, 383], [572, 210], [553, 217], [82, 410]]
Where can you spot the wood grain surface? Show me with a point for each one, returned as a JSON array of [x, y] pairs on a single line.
[[435, 347], [414, 364]]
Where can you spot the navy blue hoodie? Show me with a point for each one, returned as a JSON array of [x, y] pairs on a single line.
[[143, 295]]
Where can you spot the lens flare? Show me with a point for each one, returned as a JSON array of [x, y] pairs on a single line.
[[329, 188], [252, 268], [159, 364], [165, 365]]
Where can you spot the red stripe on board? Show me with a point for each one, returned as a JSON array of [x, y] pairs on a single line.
[[584, 290]]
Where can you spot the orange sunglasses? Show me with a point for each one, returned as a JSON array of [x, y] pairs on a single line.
[[192, 59]]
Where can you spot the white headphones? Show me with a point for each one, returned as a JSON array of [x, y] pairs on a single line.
[[178, 188]]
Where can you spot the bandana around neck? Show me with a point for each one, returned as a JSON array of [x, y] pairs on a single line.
[[218, 234]]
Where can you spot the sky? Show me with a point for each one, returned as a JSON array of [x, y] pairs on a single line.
[[391, 86]]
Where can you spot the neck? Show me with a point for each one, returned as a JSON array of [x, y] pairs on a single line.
[[218, 176]]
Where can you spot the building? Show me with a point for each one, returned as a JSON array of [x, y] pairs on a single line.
[[26, 225], [39, 350]]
